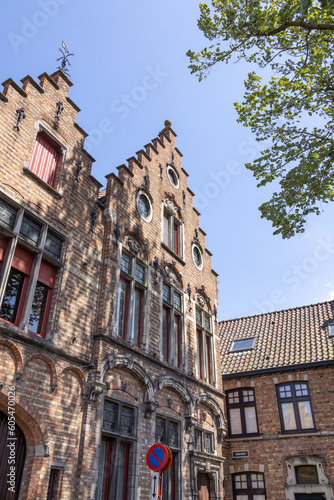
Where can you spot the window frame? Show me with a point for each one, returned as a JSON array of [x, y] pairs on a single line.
[[249, 491], [174, 470], [114, 440], [149, 217], [61, 151], [133, 285], [37, 262], [241, 349], [174, 338], [294, 399], [241, 405], [203, 433], [205, 347], [331, 330], [198, 248], [172, 232]]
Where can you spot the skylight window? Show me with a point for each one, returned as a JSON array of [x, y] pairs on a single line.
[[331, 330], [243, 345]]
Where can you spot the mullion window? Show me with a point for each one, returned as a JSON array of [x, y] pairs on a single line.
[[167, 432], [249, 485], [295, 407], [119, 434], [171, 328], [241, 409], [204, 346], [23, 289]]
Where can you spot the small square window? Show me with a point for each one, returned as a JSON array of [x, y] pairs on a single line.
[[7, 214], [242, 345], [126, 263], [30, 230]]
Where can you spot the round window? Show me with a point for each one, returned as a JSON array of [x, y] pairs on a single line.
[[197, 256], [172, 176], [144, 207]]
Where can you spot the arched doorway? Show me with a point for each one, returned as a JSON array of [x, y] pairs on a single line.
[[203, 486], [13, 455]]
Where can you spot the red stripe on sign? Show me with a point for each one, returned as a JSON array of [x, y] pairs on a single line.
[[160, 462]]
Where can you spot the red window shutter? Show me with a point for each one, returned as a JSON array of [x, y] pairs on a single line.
[[46, 274], [22, 260], [3, 246], [44, 159]]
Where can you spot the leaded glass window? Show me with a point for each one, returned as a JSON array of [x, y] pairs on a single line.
[[127, 421], [7, 214], [110, 416], [198, 440], [53, 245], [208, 442], [30, 230], [166, 293], [126, 263], [139, 274], [177, 301], [167, 432]]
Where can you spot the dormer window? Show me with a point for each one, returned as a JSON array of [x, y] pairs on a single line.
[[242, 345]]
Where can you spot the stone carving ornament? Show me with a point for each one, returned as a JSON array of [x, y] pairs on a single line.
[[133, 246]]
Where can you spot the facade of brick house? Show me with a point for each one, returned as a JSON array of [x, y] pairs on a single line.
[[108, 305], [278, 379]]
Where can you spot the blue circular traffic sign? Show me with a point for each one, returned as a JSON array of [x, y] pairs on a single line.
[[159, 457]]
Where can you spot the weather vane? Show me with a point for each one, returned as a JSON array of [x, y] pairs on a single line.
[[64, 59]]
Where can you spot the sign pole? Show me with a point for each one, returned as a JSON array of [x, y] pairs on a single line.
[[160, 486]]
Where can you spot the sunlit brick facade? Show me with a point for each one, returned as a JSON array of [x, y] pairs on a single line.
[[108, 307]]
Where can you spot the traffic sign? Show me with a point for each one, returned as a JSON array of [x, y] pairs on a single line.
[[159, 457], [224, 493]]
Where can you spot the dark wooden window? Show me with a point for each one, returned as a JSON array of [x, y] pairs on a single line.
[[171, 233], [122, 307], [118, 439], [171, 325], [241, 409], [167, 431], [45, 159], [165, 336], [136, 315], [204, 346], [249, 485], [295, 407], [55, 484]]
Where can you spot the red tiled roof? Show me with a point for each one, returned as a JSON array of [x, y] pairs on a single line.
[[282, 338]]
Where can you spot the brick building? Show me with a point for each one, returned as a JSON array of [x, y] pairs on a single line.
[[108, 306], [278, 378]]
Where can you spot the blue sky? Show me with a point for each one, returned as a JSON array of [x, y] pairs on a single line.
[[130, 73]]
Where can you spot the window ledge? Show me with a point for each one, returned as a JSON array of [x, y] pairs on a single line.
[[207, 456], [57, 193], [169, 250], [282, 436]]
